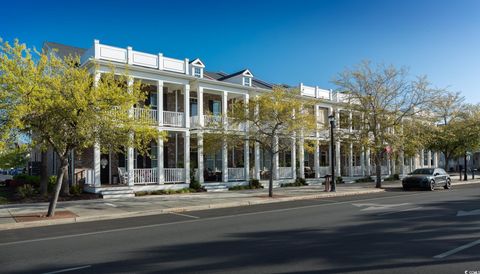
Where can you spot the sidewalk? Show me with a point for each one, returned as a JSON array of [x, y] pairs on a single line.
[[100, 209]]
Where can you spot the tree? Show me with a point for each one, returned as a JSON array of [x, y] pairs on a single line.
[[59, 104], [14, 157], [446, 134], [268, 117], [384, 96]]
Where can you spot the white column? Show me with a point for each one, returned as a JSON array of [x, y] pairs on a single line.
[[394, 164], [275, 160], [316, 159], [200, 178], [367, 160], [429, 158], [338, 170], [294, 158], [257, 160], [160, 159], [435, 159], [225, 145], [389, 161], [130, 167], [96, 163], [186, 156], [225, 161], [362, 161], [160, 102], [422, 158], [350, 158], [301, 157], [187, 105], [200, 106], [401, 160], [246, 159]]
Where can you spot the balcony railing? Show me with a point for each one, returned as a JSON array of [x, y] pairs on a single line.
[[143, 176], [174, 119], [146, 115], [285, 172], [213, 121], [235, 174], [174, 175]]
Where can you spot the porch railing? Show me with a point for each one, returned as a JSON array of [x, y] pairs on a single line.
[[146, 115], [324, 170], [357, 171], [174, 175], [145, 176], [236, 173], [172, 118], [285, 172], [213, 121]]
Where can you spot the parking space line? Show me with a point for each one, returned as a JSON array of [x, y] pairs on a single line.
[[184, 215], [456, 250]]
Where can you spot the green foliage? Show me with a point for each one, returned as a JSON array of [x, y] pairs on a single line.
[[195, 185], [340, 180], [26, 191], [394, 177], [27, 179], [366, 179], [13, 157], [298, 182], [76, 190], [255, 184], [52, 180], [164, 192]]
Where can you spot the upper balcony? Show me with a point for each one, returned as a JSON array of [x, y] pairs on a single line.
[[142, 59]]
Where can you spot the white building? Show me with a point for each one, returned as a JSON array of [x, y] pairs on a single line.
[[183, 97]]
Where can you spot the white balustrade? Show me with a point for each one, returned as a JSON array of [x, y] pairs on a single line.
[[213, 121], [172, 118], [174, 175], [235, 174], [145, 115], [145, 176], [285, 172], [357, 171], [324, 170]]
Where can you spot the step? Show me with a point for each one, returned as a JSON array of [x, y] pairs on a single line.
[[217, 190], [108, 192]]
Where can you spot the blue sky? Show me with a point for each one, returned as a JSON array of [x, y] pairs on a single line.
[[279, 41]]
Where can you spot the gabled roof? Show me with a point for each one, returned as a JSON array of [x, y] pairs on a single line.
[[244, 72], [197, 62], [62, 50]]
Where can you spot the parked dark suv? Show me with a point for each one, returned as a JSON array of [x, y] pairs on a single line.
[[429, 178]]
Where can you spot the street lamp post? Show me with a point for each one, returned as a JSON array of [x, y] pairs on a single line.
[[331, 119]]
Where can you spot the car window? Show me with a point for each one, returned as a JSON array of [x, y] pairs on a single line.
[[425, 171]]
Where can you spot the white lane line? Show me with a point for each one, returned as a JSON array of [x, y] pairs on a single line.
[[68, 269], [184, 215], [109, 204], [195, 220], [456, 250], [398, 211]]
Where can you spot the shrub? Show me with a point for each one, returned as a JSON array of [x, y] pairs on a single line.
[[300, 182], [52, 180], [27, 179], [340, 180], [239, 187], [195, 185], [255, 184], [366, 179], [76, 190], [396, 176], [26, 191]]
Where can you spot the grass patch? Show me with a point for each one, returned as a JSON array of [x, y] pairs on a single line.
[[166, 192]]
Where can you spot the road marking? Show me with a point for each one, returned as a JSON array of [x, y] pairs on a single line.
[[109, 204], [184, 215], [371, 206], [68, 269], [468, 213], [398, 211], [456, 250], [195, 220]]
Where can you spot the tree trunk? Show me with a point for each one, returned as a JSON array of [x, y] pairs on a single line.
[[465, 167], [58, 185], [270, 180], [65, 190], [44, 174], [378, 169], [446, 161]]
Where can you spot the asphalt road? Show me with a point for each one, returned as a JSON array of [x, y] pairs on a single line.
[[391, 232]]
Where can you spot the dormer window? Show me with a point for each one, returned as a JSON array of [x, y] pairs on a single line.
[[197, 72], [247, 81]]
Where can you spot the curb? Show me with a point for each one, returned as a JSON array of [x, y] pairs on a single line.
[[247, 202]]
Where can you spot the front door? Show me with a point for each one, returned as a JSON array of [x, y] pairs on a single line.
[[104, 169]]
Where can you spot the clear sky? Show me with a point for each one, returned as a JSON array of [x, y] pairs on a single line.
[[279, 41]]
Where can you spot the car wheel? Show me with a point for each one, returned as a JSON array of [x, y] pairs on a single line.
[[448, 185], [432, 185]]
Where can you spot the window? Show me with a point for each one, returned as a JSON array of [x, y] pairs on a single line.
[[197, 72], [247, 81]]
